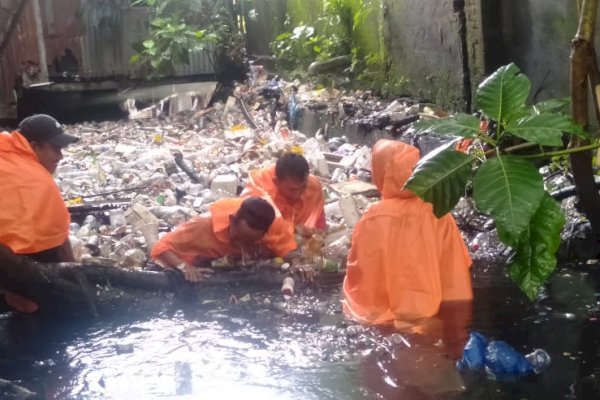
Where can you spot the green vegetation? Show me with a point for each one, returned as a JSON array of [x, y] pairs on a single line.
[[343, 28], [506, 184], [178, 27]]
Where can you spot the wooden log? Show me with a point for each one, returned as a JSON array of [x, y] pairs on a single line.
[[69, 288]]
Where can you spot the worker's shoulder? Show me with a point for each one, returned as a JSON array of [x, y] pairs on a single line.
[[314, 182]]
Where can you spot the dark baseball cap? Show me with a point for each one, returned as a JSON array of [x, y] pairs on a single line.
[[44, 128]]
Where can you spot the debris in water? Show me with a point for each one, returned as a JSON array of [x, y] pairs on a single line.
[[183, 378]]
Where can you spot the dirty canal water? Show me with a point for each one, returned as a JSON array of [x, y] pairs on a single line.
[[266, 348]]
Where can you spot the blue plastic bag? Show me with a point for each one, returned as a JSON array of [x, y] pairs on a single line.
[[474, 353], [498, 358], [501, 360]]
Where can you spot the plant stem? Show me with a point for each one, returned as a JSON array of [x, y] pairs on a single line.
[[521, 146], [487, 139], [564, 152]]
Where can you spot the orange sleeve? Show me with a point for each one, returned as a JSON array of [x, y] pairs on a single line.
[[455, 271], [280, 237], [314, 205], [190, 240]]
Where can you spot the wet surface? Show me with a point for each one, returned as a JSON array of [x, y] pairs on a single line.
[[265, 348]]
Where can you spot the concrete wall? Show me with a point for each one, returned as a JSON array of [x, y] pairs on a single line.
[[423, 40], [445, 48], [537, 36], [426, 47]]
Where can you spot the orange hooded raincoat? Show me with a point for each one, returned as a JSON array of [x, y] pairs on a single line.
[[33, 215], [207, 236], [403, 261], [308, 213]]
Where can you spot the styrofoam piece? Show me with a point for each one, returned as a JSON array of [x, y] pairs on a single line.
[[349, 210], [227, 183]]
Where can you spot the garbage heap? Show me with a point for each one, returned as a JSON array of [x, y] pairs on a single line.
[[127, 182]]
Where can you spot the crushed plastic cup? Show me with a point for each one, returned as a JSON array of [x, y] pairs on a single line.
[[540, 360], [480, 242], [117, 217]]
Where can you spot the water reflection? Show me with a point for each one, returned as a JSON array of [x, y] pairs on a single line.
[[305, 348]]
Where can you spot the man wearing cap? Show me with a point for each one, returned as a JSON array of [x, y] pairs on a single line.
[[34, 220]]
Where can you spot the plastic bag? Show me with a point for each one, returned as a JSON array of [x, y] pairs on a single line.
[[499, 359]]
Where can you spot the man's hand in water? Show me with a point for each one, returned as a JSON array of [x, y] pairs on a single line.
[[306, 271], [194, 274]]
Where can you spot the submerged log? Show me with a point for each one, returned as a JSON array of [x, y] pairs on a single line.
[[99, 289]]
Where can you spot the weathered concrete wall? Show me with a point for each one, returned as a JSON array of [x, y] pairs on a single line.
[[445, 48], [537, 36], [475, 45], [426, 47]]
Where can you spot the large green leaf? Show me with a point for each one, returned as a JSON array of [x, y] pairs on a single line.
[[464, 125], [552, 105], [510, 189], [544, 129], [535, 257], [440, 178], [503, 94]]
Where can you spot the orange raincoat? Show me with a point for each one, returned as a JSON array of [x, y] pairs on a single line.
[[33, 215], [308, 213], [403, 261], [207, 236]]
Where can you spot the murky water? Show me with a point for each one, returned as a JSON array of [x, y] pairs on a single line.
[[266, 348]]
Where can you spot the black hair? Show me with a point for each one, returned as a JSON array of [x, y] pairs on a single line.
[[291, 165], [257, 213]]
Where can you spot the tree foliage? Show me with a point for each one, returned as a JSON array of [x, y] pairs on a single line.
[[506, 184], [179, 27]]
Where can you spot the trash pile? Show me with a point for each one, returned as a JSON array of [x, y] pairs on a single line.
[[126, 182]]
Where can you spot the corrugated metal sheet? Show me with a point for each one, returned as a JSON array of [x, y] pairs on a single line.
[[63, 29], [19, 53], [90, 39], [201, 63]]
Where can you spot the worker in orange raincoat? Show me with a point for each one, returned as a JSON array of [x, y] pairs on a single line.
[[404, 261], [297, 197], [288, 185], [232, 227], [34, 220]]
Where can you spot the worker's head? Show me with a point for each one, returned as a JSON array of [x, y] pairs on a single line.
[[392, 163], [291, 176], [46, 138], [250, 223]]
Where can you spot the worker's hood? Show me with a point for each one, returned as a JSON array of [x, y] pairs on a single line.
[[392, 163], [16, 143]]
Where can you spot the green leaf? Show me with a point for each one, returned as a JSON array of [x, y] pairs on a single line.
[[552, 105], [464, 125], [503, 94], [544, 129], [510, 189], [440, 178], [283, 36], [134, 58], [149, 44], [535, 257]]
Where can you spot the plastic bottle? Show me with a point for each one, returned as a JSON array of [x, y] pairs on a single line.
[[287, 289], [540, 360], [480, 242]]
